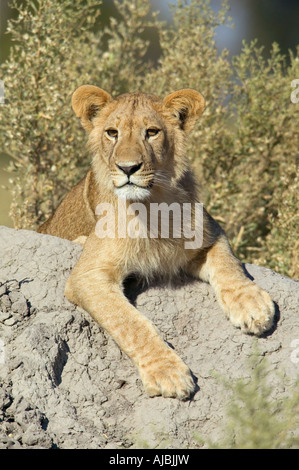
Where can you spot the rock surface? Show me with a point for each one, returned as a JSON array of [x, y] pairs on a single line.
[[65, 383]]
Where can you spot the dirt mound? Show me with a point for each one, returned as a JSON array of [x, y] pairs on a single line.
[[65, 383]]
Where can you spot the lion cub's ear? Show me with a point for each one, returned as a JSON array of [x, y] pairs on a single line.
[[87, 100], [187, 105]]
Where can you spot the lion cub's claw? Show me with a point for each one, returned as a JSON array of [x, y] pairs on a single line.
[[168, 377]]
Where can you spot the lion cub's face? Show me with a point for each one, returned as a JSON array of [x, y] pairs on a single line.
[[136, 134], [134, 144]]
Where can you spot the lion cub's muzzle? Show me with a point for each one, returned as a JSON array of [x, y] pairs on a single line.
[[132, 173], [130, 169], [132, 180]]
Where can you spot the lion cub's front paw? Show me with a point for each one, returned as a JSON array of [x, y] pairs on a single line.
[[167, 376], [249, 307]]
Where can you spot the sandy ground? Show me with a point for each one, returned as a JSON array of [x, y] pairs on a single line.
[[64, 383]]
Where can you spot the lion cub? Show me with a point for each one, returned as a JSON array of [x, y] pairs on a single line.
[[138, 142]]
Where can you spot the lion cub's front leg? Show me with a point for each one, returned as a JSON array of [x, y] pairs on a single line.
[[97, 291], [247, 305]]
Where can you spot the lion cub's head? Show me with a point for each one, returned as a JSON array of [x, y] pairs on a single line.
[[138, 140]]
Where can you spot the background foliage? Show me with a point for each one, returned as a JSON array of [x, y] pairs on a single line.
[[245, 148], [256, 418]]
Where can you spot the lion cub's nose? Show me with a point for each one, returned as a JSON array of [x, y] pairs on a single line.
[[129, 169]]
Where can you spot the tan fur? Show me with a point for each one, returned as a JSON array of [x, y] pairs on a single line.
[[163, 175]]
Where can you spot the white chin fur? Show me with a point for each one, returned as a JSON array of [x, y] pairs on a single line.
[[132, 192]]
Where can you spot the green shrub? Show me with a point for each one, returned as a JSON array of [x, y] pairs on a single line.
[[255, 417], [37, 125], [244, 149]]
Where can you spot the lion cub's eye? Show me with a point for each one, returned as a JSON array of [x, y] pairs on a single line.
[[152, 132], [112, 133]]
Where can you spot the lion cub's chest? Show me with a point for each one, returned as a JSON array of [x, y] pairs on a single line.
[[136, 245], [150, 257]]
